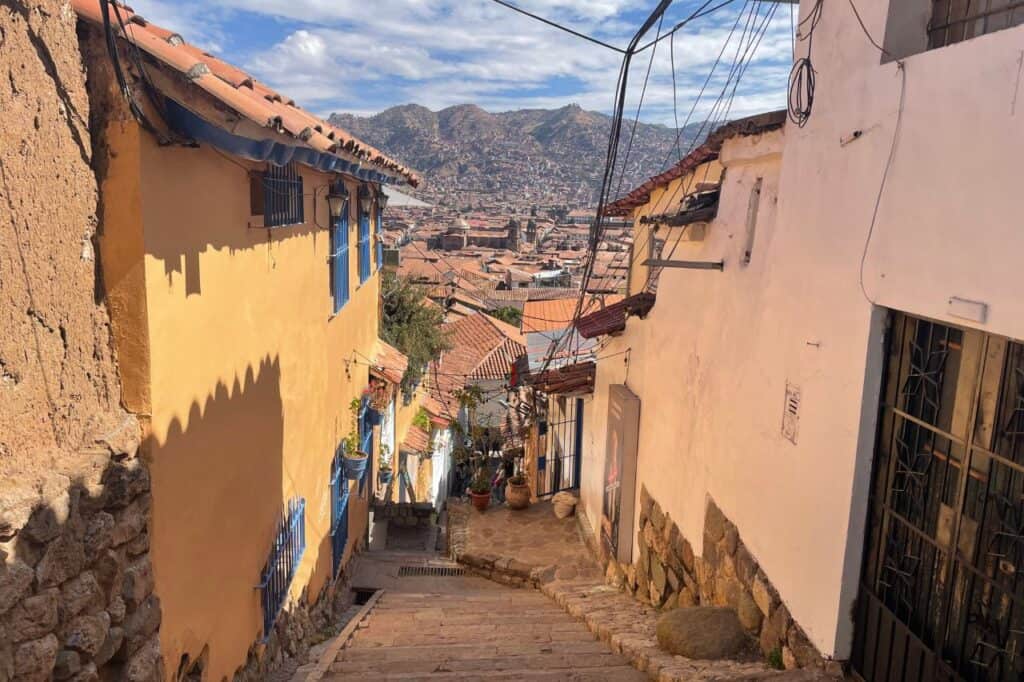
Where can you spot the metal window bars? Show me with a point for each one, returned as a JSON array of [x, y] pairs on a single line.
[[954, 21], [365, 268], [283, 203], [339, 510], [285, 555]]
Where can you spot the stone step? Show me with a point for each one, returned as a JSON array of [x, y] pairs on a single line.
[[470, 651], [419, 621], [365, 638], [455, 663], [620, 673]]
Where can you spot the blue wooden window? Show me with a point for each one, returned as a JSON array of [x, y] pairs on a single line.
[[380, 241], [339, 510], [365, 438], [283, 203], [339, 260], [285, 555], [364, 247]]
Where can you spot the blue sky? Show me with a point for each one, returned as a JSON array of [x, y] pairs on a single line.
[[363, 56]]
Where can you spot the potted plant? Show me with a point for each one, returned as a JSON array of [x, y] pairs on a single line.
[[480, 489], [517, 492], [385, 473], [355, 460]]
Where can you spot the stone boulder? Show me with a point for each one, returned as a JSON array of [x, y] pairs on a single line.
[[701, 633]]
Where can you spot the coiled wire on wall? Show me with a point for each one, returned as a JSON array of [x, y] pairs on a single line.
[[802, 77]]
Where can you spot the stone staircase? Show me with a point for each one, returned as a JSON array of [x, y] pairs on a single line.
[[503, 634]]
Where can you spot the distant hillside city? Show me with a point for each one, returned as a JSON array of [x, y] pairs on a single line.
[[508, 197]]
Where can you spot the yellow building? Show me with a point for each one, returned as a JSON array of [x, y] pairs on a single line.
[[238, 254]]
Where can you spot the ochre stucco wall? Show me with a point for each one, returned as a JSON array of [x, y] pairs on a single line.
[[250, 380]]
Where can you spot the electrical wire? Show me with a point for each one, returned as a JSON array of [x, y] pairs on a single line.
[[560, 27], [800, 98], [700, 12], [885, 176]]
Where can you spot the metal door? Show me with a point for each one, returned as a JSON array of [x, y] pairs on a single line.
[[560, 446], [940, 595]]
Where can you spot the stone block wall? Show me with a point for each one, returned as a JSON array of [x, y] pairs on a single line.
[[667, 574], [76, 582]]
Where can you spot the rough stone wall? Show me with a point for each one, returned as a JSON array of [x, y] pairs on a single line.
[[667, 574], [76, 583], [299, 628]]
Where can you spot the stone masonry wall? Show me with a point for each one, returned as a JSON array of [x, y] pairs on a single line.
[[667, 574], [76, 582]]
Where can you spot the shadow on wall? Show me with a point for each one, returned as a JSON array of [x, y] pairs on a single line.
[[217, 487], [76, 582], [199, 199]]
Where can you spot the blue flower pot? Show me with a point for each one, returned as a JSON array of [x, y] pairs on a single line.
[[355, 467], [385, 476]]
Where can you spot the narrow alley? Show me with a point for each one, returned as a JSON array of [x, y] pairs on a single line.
[[429, 619]]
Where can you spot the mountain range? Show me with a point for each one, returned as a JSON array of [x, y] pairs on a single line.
[[471, 158]]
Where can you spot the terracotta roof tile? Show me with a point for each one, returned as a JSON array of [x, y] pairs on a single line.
[[239, 91], [751, 125], [612, 319], [388, 362], [546, 316], [482, 348], [416, 440]]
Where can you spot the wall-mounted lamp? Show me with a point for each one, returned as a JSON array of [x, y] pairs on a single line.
[[382, 199], [365, 199], [337, 200]]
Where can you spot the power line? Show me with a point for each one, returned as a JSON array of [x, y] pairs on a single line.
[[610, 165], [560, 27]]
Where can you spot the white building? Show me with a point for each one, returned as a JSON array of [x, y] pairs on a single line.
[[848, 307]]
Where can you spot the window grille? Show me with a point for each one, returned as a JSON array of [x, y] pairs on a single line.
[[285, 554], [954, 21], [365, 269], [339, 510], [339, 260], [282, 196]]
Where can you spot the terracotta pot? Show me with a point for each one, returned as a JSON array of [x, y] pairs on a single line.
[[481, 501], [517, 495]]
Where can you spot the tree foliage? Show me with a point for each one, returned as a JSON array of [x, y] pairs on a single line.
[[509, 314], [411, 326]]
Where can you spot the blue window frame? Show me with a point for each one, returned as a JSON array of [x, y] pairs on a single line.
[[285, 555], [365, 269], [339, 260], [380, 242], [282, 200], [365, 439], [339, 510]]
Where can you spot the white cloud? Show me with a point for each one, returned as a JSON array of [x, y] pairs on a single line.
[[359, 56]]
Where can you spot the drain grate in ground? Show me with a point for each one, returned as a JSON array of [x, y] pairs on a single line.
[[430, 571]]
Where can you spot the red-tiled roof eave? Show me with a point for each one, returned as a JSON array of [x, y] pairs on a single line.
[[751, 125], [233, 88], [612, 320], [416, 440], [569, 379]]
